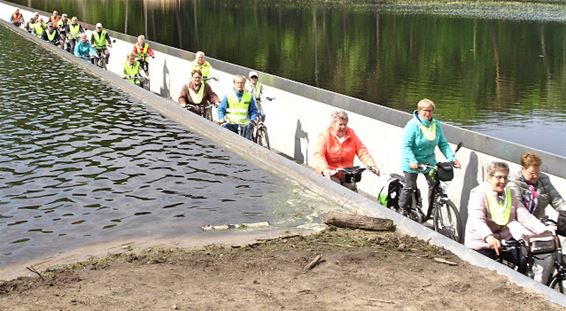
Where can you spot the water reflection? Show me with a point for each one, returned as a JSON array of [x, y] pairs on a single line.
[[470, 65], [81, 163]]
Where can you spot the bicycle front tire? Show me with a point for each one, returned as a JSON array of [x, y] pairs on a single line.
[[208, 114], [262, 138], [557, 283], [446, 220]]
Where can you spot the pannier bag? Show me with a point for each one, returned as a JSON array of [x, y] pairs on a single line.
[[389, 194], [445, 171], [541, 243]]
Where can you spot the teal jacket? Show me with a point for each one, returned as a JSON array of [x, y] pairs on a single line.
[[417, 148]]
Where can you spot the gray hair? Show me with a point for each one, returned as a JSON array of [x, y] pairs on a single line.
[[339, 115], [239, 78], [496, 166], [199, 53], [141, 37]]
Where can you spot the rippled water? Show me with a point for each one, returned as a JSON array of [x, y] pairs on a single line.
[[82, 163]]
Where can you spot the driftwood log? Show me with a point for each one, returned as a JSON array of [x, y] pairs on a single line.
[[358, 222]]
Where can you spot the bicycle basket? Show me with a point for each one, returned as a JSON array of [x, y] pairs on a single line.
[[542, 243], [445, 171], [389, 194], [352, 174]]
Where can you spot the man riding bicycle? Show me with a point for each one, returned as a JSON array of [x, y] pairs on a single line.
[[74, 30], [143, 51], [17, 19], [238, 108], [100, 40], [203, 65], [132, 70], [494, 215], [337, 147], [256, 89], [197, 94], [51, 35], [62, 25]]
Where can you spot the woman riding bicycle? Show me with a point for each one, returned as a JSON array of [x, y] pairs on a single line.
[[533, 188], [495, 214], [422, 135], [337, 147], [197, 94]]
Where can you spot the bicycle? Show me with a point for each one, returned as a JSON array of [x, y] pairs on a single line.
[[445, 216], [102, 56], [139, 80], [259, 130], [558, 280], [204, 111]]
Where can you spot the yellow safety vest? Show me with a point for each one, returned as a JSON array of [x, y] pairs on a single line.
[[429, 132], [38, 29], [74, 31], [204, 68], [500, 212], [99, 39], [197, 97], [139, 52], [237, 111], [257, 89], [51, 36], [130, 70]]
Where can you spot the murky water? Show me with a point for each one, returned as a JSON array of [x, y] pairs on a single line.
[[82, 163], [497, 68]]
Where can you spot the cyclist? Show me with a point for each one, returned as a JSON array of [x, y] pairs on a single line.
[[74, 30], [238, 108], [256, 88], [30, 24], [132, 70], [38, 27], [495, 214], [17, 19], [51, 35], [62, 28], [143, 50], [197, 93], [54, 18], [83, 49], [533, 188], [337, 146], [422, 134], [203, 65], [101, 41]]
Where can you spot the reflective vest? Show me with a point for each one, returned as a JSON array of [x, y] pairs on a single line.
[[17, 18], [204, 68], [51, 36], [74, 31], [61, 23], [99, 39], [142, 54], [237, 111], [257, 89], [197, 97], [130, 70], [500, 212], [38, 29], [429, 132], [54, 21]]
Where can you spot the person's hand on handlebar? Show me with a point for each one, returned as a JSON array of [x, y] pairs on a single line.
[[414, 166], [374, 170], [493, 243], [456, 163]]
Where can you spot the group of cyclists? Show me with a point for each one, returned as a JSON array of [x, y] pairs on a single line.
[[505, 207], [502, 208]]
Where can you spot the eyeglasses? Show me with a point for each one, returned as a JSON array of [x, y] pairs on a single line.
[[197, 78]]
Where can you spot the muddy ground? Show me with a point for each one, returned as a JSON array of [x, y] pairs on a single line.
[[359, 270]]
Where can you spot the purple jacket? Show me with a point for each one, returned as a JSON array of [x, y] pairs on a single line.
[[480, 225]]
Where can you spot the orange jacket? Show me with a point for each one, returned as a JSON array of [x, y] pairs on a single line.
[[329, 153]]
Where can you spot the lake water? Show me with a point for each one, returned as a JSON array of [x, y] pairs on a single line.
[[495, 68], [81, 163]]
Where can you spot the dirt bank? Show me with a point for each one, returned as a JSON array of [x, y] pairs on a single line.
[[359, 271]]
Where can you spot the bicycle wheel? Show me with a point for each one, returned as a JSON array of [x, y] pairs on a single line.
[[262, 138], [557, 283], [446, 220], [208, 113]]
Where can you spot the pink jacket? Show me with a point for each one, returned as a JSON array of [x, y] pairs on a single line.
[[479, 225], [332, 154]]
